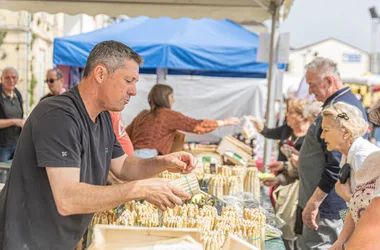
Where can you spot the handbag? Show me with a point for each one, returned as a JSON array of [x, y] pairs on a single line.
[[286, 198]]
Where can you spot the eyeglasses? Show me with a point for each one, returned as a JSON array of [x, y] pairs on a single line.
[[51, 81]]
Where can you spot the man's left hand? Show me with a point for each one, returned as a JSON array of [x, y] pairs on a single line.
[[179, 162], [309, 215]]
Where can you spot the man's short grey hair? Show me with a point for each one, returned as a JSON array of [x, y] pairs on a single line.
[[57, 71], [112, 55], [6, 69], [323, 66]]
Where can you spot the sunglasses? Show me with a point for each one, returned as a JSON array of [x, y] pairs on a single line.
[[51, 81]]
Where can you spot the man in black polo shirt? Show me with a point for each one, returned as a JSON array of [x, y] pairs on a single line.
[[65, 151], [11, 113]]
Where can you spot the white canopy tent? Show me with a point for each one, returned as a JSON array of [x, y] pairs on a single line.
[[370, 81], [237, 10]]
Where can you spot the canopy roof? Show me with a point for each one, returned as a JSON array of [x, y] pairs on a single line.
[[182, 44], [238, 10]]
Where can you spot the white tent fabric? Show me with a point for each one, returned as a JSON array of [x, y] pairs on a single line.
[[237, 10], [205, 98], [370, 80]]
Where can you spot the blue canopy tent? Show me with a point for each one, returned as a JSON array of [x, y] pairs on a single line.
[[203, 46]]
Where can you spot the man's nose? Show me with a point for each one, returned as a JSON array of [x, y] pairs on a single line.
[[310, 92], [132, 90]]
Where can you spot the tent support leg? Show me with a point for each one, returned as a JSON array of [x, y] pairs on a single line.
[[270, 112]]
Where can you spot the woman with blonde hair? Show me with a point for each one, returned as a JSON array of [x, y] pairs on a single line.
[[152, 132], [342, 129]]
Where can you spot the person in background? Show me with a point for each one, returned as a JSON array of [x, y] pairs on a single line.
[[342, 129], [318, 167], [121, 133], [124, 140], [300, 115], [152, 132], [299, 121], [11, 113], [54, 79]]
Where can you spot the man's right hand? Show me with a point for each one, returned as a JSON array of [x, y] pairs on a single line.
[[276, 166], [19, 122], [161, 193]]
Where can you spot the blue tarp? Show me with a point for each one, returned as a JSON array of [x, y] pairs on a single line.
[[177, 44]]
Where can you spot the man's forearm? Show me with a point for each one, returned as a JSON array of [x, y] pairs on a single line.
[[318, 197], [136, 169], [82, 198]]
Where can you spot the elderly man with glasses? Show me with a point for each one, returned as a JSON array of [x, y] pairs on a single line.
[[54, 79]]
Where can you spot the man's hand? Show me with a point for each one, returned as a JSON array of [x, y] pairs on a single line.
[[344, 190], [161, 193], [269, 182], [309, 215], [179, 162], [276, 166]]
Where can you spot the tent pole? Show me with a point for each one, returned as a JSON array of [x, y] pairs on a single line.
[[28, 47], [270, 112]]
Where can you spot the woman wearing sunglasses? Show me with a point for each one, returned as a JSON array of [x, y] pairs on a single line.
[[343, 128]]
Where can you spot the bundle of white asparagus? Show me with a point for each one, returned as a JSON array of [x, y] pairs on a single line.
[[252, 182], [188, 183]]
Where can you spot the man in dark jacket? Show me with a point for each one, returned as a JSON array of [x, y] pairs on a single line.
[[11, 113], [318, 168]]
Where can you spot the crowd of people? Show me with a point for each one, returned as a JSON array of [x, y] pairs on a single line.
[[324, 146], [75, 142]]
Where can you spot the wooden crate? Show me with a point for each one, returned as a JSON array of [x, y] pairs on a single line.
[[235, 243], [179, 141], [230, 145], [122, 237]]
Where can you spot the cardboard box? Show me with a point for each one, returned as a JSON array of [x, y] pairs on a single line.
[[110, 237], [179, 141], [235, 243], [236, 152]]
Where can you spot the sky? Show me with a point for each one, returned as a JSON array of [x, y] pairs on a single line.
[[311, 21]]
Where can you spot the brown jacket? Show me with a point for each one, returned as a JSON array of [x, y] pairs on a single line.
[[157, 131]]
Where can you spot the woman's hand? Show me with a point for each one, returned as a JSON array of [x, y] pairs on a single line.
[[258, 125], [275, 166], [338, 245], [270, 182], [344, 190], [294, 160]]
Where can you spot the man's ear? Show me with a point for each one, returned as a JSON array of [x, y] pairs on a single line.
[[329, 79], [100, 73]]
